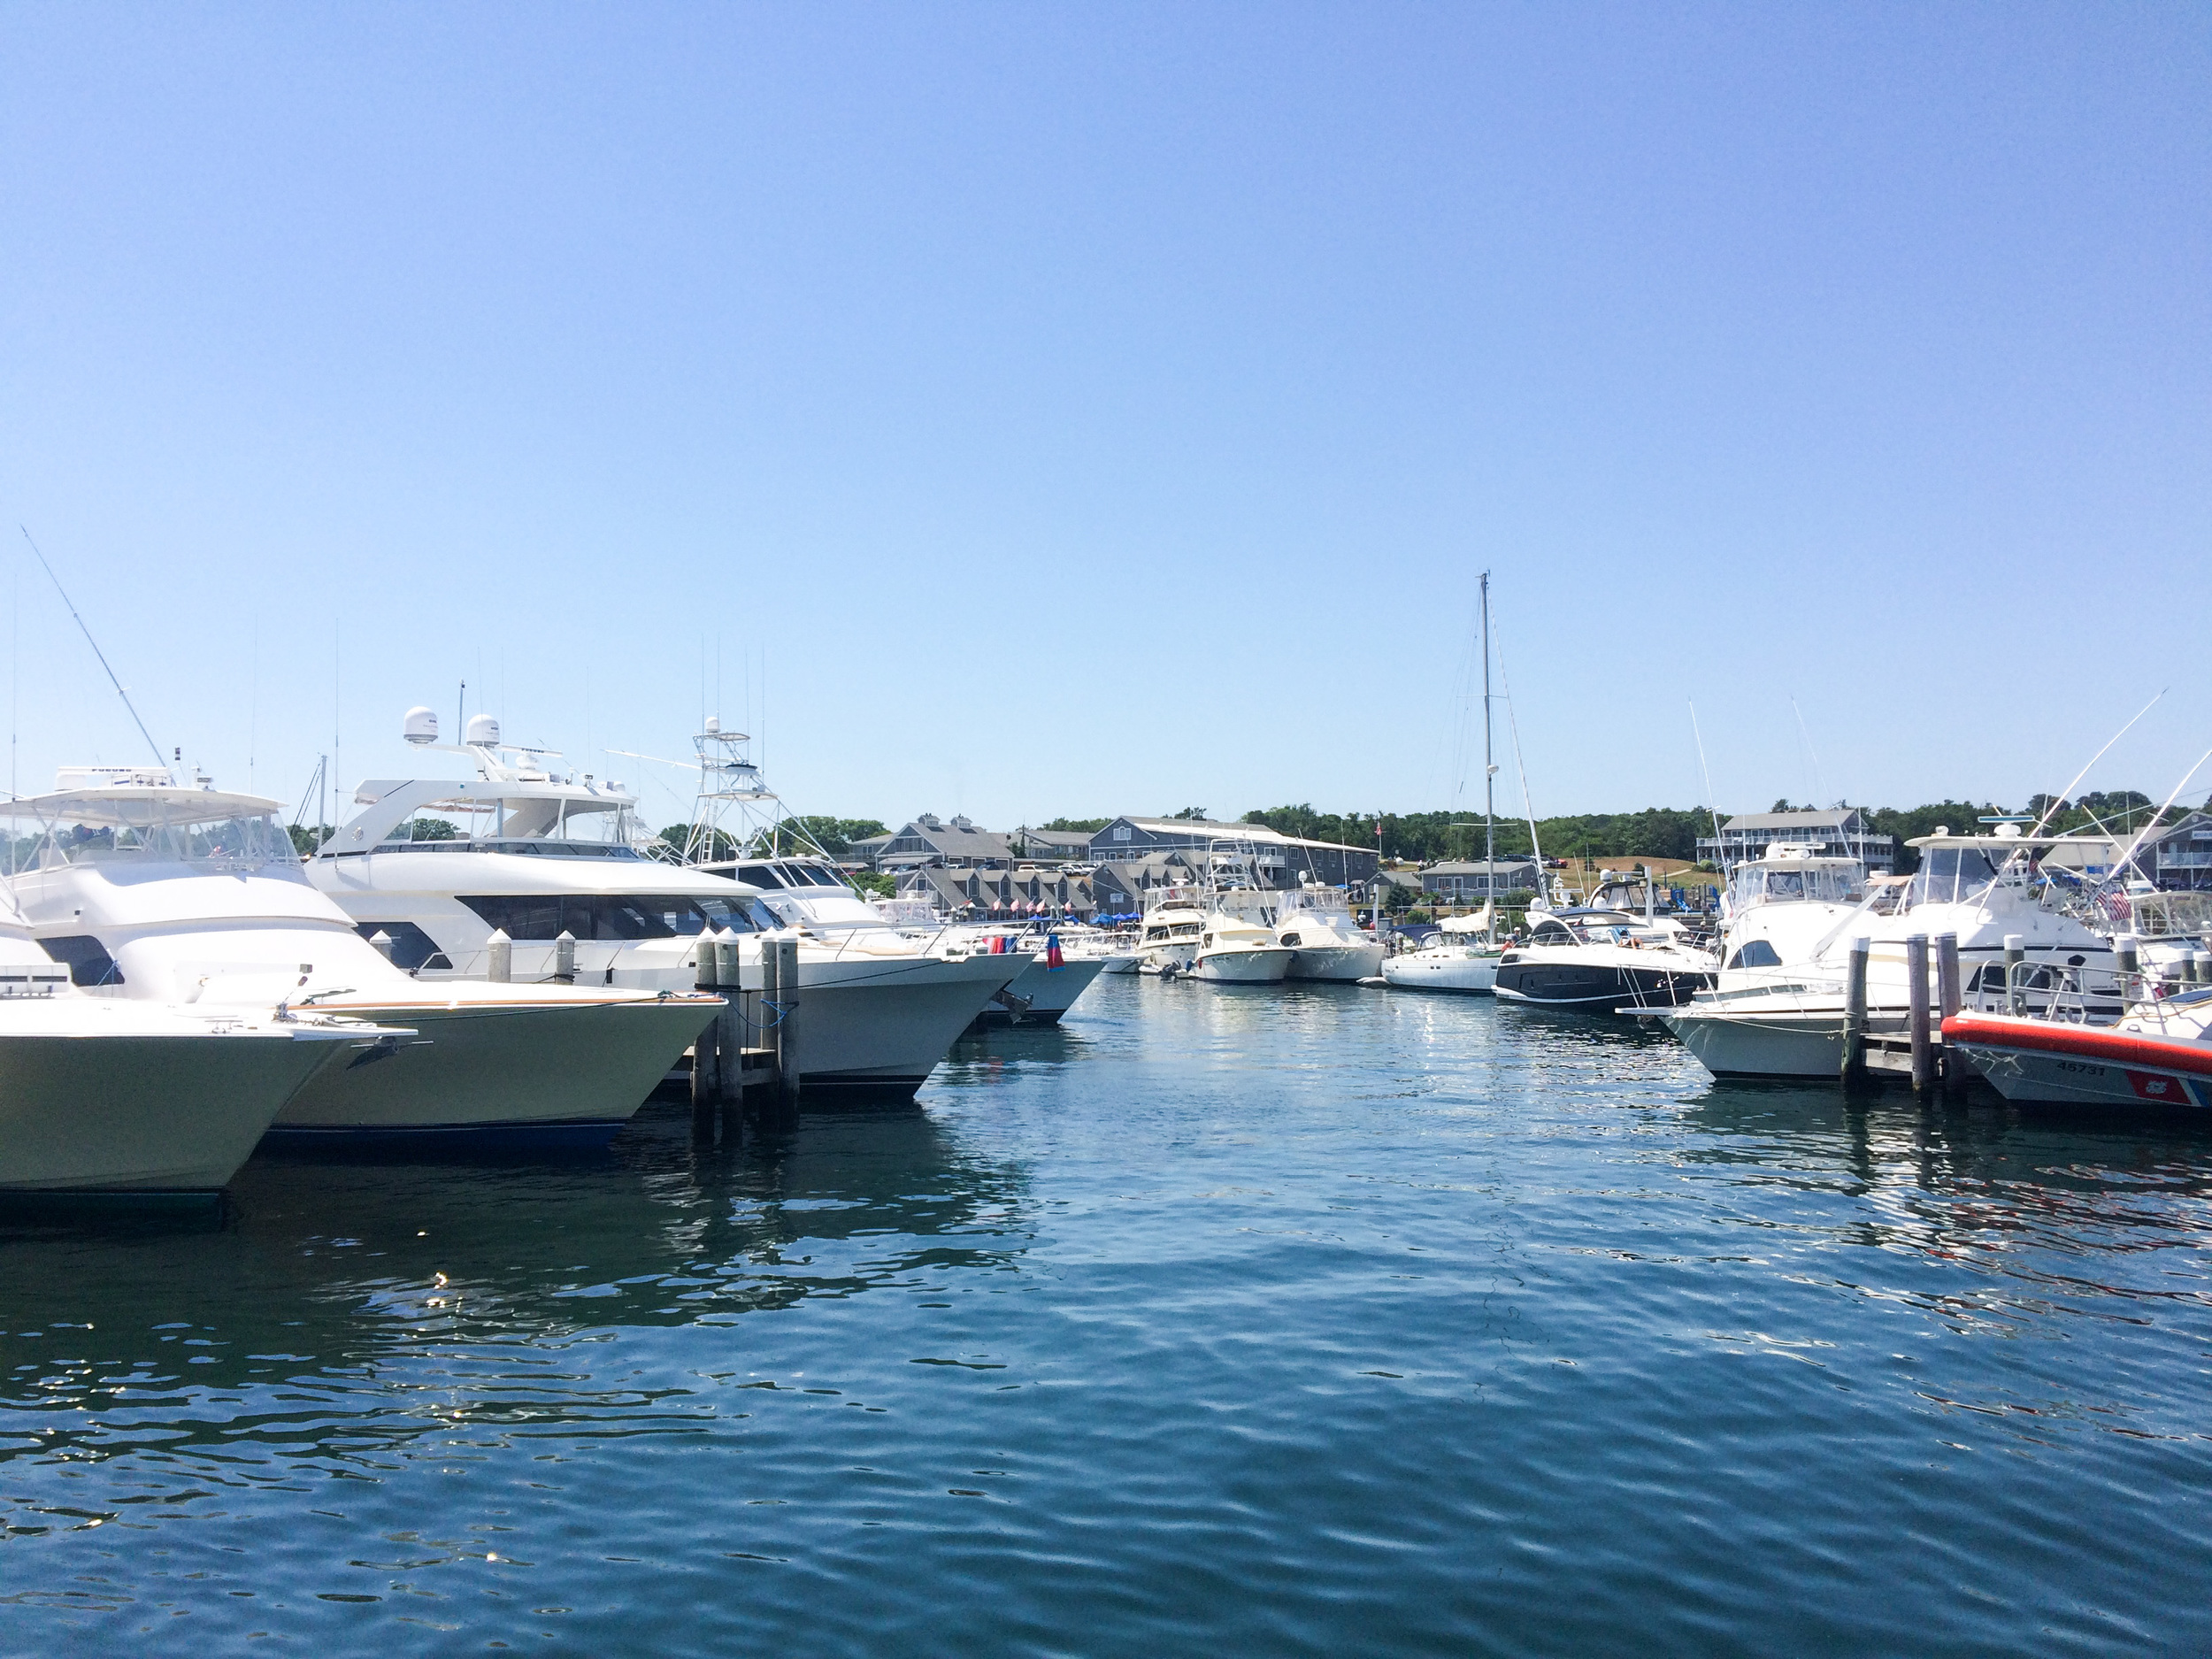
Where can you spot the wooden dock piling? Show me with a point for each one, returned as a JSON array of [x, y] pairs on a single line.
[[1949, 1000], [706, 1048], [1854, 1017], [1917, 995], [787, 955]]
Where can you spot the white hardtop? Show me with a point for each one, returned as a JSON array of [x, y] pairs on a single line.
[[136, 796]]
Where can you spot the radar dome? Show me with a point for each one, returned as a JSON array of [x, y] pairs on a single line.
[[483, 730], [420, 726]]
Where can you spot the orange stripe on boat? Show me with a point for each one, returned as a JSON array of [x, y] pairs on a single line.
[[2089, 1042]]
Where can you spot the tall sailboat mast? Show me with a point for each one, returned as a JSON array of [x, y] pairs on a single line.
[[1489, 783]]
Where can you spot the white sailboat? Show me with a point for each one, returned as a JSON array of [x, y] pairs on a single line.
[[1464, 955]]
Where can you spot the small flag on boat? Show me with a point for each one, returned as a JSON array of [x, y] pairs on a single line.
[[1053, 958]]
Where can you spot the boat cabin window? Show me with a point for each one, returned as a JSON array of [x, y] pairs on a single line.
[[1756, 954], [760, 876], [166, 832], [1826, 884], [607, 916], [411, 948], [1951, 875], [86, 957]]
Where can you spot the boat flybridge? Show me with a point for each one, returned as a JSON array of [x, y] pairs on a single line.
[[1313, 921], [550, 870], [1777, 1009], [155, 892], [1210, 930], [98, 1096]]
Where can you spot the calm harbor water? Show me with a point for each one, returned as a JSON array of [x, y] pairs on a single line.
[[1322, 1321]]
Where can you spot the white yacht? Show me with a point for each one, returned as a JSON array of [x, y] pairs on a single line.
[[99, 1096], [1049, 985], [154, 891], [534, 856], [1462, 956], [808, 891], [1602, 961], [1185, 932], [1315, 922], [1777, 1008]]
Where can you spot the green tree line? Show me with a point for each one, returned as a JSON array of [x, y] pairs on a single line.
[[1673, 833]]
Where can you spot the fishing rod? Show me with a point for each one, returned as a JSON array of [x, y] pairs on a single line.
[[96, 651]]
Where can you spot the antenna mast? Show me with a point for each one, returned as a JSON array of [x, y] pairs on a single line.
[[1489, 784]]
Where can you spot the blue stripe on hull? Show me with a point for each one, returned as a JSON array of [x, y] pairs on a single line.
[[569, 1135]]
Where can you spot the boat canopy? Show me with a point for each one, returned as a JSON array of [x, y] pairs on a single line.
[[155, 822]]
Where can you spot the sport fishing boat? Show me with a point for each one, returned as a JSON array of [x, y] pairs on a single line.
[[100, 1096], [153, 891], [2159, 1053], [1462, 956], [1186, 934], [524, 855], [1314, 922], [1590, 961], [1777, 1006]]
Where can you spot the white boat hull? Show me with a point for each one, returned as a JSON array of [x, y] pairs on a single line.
[[1336, 962], [878, 1027], [1469, 972], [569, 1072], [1041, 993], [1779, 1044], [138, 1110], [1263, 966]]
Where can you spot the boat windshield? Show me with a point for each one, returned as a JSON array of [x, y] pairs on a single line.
[[1789, 884], [1949, 875], [165, 831], [552, 827]]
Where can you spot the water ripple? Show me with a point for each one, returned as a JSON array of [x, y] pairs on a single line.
[[1324, 1321]]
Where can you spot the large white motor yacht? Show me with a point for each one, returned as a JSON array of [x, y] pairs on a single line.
[[99, 1096], [1778, 1008], [159, 893], [536, 856], [1462, 956]]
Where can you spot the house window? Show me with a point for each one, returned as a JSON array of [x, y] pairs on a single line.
[[1121, 831]]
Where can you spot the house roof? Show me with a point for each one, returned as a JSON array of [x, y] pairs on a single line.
[[1476, 867], [956, 839], [1211, 829], [1837, 817]]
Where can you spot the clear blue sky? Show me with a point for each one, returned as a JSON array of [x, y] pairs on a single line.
[[1034, 409]]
